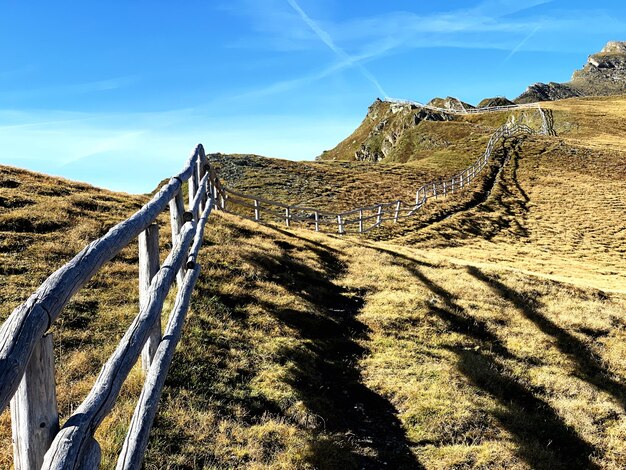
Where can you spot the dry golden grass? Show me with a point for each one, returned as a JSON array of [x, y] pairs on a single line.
[[596, 123], [489, 332]]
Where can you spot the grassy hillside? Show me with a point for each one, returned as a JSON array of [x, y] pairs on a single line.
[[488, 332]]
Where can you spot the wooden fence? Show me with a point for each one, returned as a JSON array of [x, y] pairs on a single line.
[[26, 354], [362, 219], [27, 376], [463, 109]]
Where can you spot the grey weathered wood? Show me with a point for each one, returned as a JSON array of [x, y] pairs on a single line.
[[148, 267], [177, 209], [257, 210], [177, 220], [69, 444], [192, 189], [287, 216], [196, 203], [199, 236], [317, 221], [20, 333], [133, 450], [340, 223], [361, 221], [201, 169], [397, 213], [91, 456], [379, 214], [34, 415]]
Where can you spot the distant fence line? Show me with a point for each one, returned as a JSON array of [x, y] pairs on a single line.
[[464, 110], [364, 219], [27, 372]]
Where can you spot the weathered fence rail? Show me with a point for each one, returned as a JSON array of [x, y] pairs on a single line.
[[26, 354], [463, 109]]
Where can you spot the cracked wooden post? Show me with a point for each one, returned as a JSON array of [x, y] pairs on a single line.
[[177, 219], [193, 186], [288, 216], [148, 267], [379, 215], [360, 220], [317, 221], [257, 210], [222, 198], [397, 214], [214, 184], [340, 223], [445, 192], [200, 170], [34, 416]]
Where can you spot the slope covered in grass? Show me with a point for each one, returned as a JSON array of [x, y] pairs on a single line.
[[488, 332]]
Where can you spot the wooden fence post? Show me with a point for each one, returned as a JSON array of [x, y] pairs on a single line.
[[397, 214], [222, 198], [340, 223], [193, 187], [445, 191], [200, 159], [317, 221], [148, 267], [177, 219], [379, 215], [34, 416], [288, 216], [360, 220], [257, 210], [435, 190]]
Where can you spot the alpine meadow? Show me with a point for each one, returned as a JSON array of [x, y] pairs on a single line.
[[445, 288]]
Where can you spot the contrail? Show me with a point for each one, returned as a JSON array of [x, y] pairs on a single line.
[[524, 41], [343, 55]]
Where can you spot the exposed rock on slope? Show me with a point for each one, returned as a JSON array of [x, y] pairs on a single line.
[[451, 103], [603, 75], [493, 102], [381, 131]]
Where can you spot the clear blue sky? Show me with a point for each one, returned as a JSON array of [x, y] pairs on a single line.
[[117, 93]]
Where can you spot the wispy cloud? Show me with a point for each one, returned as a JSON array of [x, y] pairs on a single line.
[[94, 147], [72, 88], [521, 43], [343, 55]]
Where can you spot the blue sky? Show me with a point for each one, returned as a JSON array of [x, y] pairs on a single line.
[[117, 93]]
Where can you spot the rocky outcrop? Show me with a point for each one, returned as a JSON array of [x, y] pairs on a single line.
[[390, 128], [547, 92], [494, 102], [451, 103], [604, 74]]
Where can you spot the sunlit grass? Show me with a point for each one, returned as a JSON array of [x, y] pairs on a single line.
[[488, 332]]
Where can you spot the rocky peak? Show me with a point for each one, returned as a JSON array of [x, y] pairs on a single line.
[[451, 103], [615, 47], [612, 56], [392, 121], [604, 74]]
